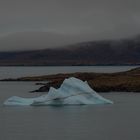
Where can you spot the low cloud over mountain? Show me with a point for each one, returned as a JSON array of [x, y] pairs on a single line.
[[107, 52]]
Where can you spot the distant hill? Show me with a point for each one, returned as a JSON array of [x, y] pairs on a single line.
[[106, 52]]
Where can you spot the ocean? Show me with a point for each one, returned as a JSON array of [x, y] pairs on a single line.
[[119, 121]]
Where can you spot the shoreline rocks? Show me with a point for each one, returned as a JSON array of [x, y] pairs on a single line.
[[128, 81]]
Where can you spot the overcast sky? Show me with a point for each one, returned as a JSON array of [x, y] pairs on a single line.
[[88, 19]]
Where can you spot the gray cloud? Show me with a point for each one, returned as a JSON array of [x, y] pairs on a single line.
[[86, 19]]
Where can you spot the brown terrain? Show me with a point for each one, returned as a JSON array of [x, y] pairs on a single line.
[[128, 81]]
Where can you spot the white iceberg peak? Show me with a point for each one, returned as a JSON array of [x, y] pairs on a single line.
[[73, 91]]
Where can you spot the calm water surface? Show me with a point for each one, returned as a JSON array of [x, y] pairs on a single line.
[[14, 72], [119, 121]]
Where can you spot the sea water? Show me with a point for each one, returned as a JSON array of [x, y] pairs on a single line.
[[118, 121], [100, 122], [14, 72]]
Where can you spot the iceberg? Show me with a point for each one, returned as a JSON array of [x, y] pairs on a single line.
[[73, 91]]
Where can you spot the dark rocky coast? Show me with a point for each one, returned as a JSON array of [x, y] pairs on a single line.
[[128, 81]]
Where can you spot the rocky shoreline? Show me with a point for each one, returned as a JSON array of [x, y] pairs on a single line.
[[128, 81]]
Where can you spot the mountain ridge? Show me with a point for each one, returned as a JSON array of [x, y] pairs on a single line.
[[104, 52]]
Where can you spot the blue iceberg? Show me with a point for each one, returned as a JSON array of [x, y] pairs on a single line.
[[73, 91]]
